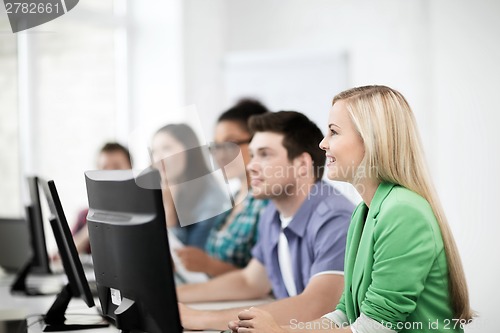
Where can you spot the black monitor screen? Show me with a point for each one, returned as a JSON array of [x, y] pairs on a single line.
[[67, 249], [130, 252], [14, 244], [77, 283], [40, 261]]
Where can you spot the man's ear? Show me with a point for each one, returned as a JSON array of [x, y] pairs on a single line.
[[303, 164]]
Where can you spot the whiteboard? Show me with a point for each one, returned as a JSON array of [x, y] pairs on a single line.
[[284, 80]]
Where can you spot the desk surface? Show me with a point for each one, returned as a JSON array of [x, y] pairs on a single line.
[[19, 307]]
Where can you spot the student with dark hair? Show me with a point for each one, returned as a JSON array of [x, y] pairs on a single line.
[[241, 112], [191, 196], [299, 255], [112, 156], [234, 233]]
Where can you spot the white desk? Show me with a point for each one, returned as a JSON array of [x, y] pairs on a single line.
[[19, 307]]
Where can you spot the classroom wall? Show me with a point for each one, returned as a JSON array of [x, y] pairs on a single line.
[[466, 78], [389, 47]]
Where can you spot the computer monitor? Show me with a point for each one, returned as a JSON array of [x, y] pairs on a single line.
[[130, 251], [77, 285], [15, 248], [39, 262]]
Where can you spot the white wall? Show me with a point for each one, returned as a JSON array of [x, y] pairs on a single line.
[[205, 30], [442, 55], [363, 30], [465, 55], [155, 69], [155, 59]]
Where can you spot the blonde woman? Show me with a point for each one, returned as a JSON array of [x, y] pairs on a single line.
[[402, 269]]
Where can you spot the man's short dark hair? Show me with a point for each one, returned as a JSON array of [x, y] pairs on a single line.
[[300, 135], [111, 147], [242, 111]]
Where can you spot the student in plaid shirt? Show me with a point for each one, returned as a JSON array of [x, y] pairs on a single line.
[[234, 233], [233, 243]]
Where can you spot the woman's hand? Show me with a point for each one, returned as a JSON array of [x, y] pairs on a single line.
[[255, 320], [194, 259]]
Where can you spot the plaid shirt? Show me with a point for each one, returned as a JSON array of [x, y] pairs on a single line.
[[233, 244]]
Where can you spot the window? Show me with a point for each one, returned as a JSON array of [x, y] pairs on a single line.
[[10, 202], [68, 102]]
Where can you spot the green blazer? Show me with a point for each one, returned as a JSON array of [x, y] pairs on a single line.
[[395, 265]]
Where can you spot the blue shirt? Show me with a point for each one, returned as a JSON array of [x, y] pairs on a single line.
[[316, 237]]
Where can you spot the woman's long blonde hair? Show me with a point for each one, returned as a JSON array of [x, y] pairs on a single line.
[[394, 152]]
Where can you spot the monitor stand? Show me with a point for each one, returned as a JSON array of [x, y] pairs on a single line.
[[55, 318], [19, 285]]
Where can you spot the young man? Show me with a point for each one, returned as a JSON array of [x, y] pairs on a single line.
[[112, 156], [300, 252]]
